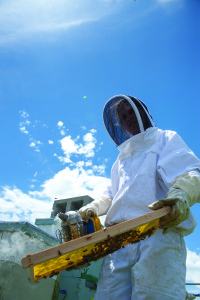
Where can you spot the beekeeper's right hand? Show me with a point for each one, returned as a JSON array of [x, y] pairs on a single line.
[[98, 207], [88, 211]]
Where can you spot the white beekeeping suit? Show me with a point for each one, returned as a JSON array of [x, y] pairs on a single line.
[[154, 168]]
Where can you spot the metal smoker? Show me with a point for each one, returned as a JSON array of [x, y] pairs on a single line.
[[72, 226]]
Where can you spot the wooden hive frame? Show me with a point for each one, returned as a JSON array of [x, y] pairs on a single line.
[[76, 253]]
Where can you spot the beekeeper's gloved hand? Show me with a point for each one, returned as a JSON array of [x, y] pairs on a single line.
[[98, 207], [185, 192], [88, 211], [179, 201]]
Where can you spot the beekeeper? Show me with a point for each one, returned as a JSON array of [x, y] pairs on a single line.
[[155, 168]]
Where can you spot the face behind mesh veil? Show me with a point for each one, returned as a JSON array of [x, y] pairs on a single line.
[[112, 122]]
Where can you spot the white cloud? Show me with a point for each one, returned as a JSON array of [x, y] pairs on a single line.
[[81, 177], [60, 124], [88, 148], [35, 144], [23, 129], [99, 169], [25, 122], [17, 206], [88, 137], [88, 163], [64, 160], [193, 268], [70, 146], [62, 132], [32, 144], [29, 19], [24, 114], [71, 183], [79, 164], [93, 131]]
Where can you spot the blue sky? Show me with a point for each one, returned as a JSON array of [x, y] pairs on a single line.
[[60, 61]]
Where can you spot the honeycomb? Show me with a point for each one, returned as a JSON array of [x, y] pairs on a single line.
[[93, 252]]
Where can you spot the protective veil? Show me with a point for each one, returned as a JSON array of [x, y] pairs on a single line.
[[143, 174]]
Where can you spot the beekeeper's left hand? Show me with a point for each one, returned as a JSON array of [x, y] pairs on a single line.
[[180, 208]]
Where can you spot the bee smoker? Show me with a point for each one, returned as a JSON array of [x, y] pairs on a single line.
[[72, 226]]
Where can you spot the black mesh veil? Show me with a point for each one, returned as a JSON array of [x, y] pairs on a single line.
[[112, 122]]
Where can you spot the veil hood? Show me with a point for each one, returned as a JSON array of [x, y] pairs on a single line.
[[112, 123]]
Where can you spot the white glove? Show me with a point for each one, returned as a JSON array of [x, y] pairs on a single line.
[[180, 211], [88, 211], [96, 208], [185, 192], [189, 183]]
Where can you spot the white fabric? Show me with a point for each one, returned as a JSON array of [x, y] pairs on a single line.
[[103, 204], [189, 183], [153, 269], [144, 171], [184, 192], [98, 207], [88, 211]]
